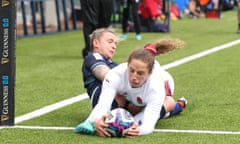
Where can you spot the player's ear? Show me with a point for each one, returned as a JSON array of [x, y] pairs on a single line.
[[150, 73], [95, 43]]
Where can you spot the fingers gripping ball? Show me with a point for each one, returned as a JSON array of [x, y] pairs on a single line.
[[119, 120]]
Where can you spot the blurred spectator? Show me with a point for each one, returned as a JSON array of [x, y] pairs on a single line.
[[116, 17], [150, 9], [238, 15], [215, 4], [133, 6], [183, 7], [228, 5], [96, 14], [175, 13], [150, 15], [211, 8], [153, 9], [194, 9]]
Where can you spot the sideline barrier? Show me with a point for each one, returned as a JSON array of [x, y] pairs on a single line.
[[36, 17], [7, 61]]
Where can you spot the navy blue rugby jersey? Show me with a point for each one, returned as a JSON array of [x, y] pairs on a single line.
[[90, 62]]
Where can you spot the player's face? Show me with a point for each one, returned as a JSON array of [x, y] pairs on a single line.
[[107, 44], [138, 73]]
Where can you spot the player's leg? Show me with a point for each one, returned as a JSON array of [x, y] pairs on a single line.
[[105, 13], [171, 108], [169, 104], [125, 17], [85, 127], [136, 19], [89, 22], [179, 107], [238, 15]]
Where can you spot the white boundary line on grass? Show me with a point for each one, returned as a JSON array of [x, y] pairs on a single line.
[[201, 54], [50, 108], [156, 130], [66, 102]]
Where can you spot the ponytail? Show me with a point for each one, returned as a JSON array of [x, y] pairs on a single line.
[[165, 45]]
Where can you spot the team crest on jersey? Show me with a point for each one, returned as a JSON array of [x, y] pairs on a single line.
[[110, 61], [139, 100], [107, 80], [97, 56], [125, 93]]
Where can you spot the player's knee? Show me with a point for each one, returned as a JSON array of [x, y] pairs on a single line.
[[169, 104]]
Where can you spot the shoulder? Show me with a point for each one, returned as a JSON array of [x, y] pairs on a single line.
[[156, 79], [95, 59], [93, 56], [120, 68], [117, 73], [123, 65]]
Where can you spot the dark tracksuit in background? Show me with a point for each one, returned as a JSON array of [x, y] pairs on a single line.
[[96, 14], [133, 6]]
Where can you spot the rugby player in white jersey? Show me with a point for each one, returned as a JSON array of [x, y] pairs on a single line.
[[138, 81]]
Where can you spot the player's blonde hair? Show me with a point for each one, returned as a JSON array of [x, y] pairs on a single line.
[[97, 34]]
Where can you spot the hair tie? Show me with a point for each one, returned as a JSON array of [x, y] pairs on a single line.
[[151, 48]]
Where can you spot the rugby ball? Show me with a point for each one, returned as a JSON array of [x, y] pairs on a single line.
[[119, 120]]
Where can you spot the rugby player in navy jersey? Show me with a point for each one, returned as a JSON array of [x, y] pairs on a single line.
[[98, 63]]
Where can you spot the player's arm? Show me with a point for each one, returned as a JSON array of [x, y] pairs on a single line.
[[133, 109], [98, 115], [124, 103], [100, 71], [152, 110]]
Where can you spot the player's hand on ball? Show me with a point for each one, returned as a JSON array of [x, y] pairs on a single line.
[[132, 132], [100, 126]]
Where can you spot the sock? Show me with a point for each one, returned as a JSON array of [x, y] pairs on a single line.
[[176, 110], [181, 103], [163, 112]]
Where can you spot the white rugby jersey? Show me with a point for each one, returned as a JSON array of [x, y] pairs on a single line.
[[151, 95]]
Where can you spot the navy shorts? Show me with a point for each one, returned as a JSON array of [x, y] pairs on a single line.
[[94, 95]]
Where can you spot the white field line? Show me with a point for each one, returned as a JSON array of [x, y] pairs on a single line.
[[156, 130], [66, 102], [201, 54], [50, 108], [38, 127], [198, 131]]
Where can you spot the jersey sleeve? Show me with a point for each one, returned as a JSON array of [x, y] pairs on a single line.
[[151, 113], [90, 63], [94, 60], [109, 90], [155, 100]]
